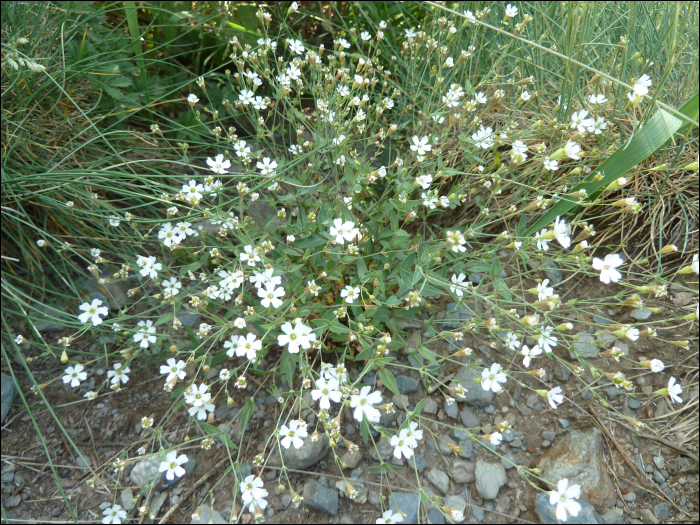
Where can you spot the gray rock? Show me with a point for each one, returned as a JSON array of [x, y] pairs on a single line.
[[456, 315], [475, 278], [452, 410], [634, 405], [658, 477], [438, 478], [320, 497], [508, 460], [13, 501], [630, 496], [418, 462], [9, 392], [361, 490], [469, 418], [459, 435], [83, 461], [478, 514], [302, 458], [658, 460], [156, 505], [640, 314], [547, 512], [406, 384], [549, 435], [584, 347], [661, 511], [462, 471], [383, 449], [648, 516], [188, 319], [351, 459], [606, 339], [408, 504], [435, 516], [430, 406], [552, 271], [613, 516], [374, 497], [475, 395], [52, 317], [490, 477], [601, 320], [126, 496]]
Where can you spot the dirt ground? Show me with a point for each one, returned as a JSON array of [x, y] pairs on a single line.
[[109, 427]]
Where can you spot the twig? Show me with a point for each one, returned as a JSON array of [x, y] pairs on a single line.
[[194, 487], [635, 468], [671, 445]]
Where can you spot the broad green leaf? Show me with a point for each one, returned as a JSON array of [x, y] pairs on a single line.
[[313, 241], [389, 380], [364, 428], [247, 412]]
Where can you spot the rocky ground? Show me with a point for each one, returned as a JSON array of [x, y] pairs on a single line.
[[625, 477]]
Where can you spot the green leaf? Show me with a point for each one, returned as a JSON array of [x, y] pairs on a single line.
[[215, 432], [389, 380], [495, 269], [313, 241], [419, 406], [384, 467], [247, 412], [287, 366], [364, 428]]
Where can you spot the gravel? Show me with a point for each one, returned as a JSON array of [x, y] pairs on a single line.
[[320, 497]]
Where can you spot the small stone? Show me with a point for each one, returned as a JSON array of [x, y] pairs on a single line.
[[438, 478], [83, 462], [351, 459], [634, 405], [462, 471], [407, 502], [430, 406], [661, 511], [630, 496], [8, 392], [613, 517], [648, 516], [549, 435], [659, 461], [302, 458], [209, 515], [490, 477], [507, 460], [601, 320], [658, 477], [320, 497], [406, 384], [641, 314], [13, 501], [374, 497], [452, 410], [478, 514], [475, 395], [546, 443], [383, 449], [469, 418], [126, 496], [551, 270], [584, 347], [435, 516], [418, 462]]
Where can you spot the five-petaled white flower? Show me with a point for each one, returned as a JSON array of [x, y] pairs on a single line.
[[607, 268], [458, 284], [403, 444], [144, 336], [561, 232], [219, 165], [420, 146], [456, 240], [249, 255], [343, 231], [555, 397], [363, 402], [529, 353], [326, 391], [673, 390], [542, 243], [296, 336], [74, 375], [293, 435], [564, 498], [512, 341], [171, 286], [389, 517], [171, 465], [92, 312], [350, 294], [511, 11], [173, 369], [546, 340], [115, 514], [491, 379], [544, 291], [424, 181], [119, 374], [551, 165], [270, 296], [483, 138]]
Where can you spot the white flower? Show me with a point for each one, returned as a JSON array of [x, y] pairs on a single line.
[[632, 333], [92, 311], [296, 336], [239, 323], [149, 266], [544, 291], [525, 96], [363, 402], [144, 336], [607, 268], [389, 517], [512, 341], [529, 353], [456, 240], [542, 244], [171, 286], [293, 435], [641, 86], [115, 514], [350, 294], [402, 444], [241, 149], [597, 99], [483, 138], [420, 146], [572, 149], [564, 498], [414, 435], [695, 265], [555, 397], [119, 374], [248, 346], [343, 231], [295, 46], [580, 122], [75, 375], [674, 390], [326, 391], [252, 490], [192, 99], [270, 296], [171, 465], [424, 181], [173, 369], [490, 379], [551, 165], [458, 284], [249, 255], [267, 167], [219, 165], [90, 396], [511, 11], [657, 366], [546, 340], [561, 232], [246, 96], [597, 126]]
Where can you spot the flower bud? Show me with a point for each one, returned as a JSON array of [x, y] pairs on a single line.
[[565, 326], [669, 248], [530, 320], [64, 357]]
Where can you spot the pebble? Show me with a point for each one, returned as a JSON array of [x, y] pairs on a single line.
[[430, 406], [418, 462], [630, 496], [648, 516], [126, 496], [613, 517], [634, 405], [659, 461], [477, 397], [13, 501], [478, 514], [146, 472], [549, 435], [320, 497], [435, 516], [209, 515], [438, 478], [406, 384], [302, 458], [408, 503], [452, 410], [551, 270], [507, 460], [584, 347], [641, 314], [601, 320], [658, 477], [661, 511], [462, 471], [469, 418], [490, 477]]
